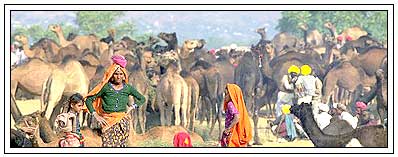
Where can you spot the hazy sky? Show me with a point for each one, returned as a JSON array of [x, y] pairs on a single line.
[[229, 25]]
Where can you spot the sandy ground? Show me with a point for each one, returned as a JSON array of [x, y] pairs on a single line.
[[266, 137]]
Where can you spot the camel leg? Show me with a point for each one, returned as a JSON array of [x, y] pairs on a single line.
[[161, 106], [54, 91], [213, 118], [177, 120], [255, 121], [187, 109], [141, 118], [381, 110], [219, 118], [193, 111]]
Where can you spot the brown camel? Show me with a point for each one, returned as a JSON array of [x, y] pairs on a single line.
[[332, 29], [193, 99], [82, 42], [211, 93], [33, 52], [172, 92], [138, 79], [69, 78], [282, 40], [354, 32], [313, 38]]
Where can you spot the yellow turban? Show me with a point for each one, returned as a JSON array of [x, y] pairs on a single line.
[[294, 69], [306, 70], [286, 109]]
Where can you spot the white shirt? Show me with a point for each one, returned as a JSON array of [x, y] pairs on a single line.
[[308, 85], [21, 56], [349, 118], [14, 59], [323, 119]]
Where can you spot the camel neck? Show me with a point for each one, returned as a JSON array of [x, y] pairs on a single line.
[[61, 38]]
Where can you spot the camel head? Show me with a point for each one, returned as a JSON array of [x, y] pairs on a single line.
[[148, 59], [112, 32], [191, 44], [303, 26], [260, 30], [168, 37], [328, 25], [168, 57], [299, 110], [55, 28], [22, 39]]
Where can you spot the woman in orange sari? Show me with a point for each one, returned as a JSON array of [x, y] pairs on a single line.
[[238, 130], [109, 102]]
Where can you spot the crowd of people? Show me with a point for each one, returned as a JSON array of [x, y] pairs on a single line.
[[300, 85]]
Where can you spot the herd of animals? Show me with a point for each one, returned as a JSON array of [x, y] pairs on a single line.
[[189, 80]]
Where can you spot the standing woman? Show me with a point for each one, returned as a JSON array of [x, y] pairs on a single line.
[[108, 102], [238, 130]]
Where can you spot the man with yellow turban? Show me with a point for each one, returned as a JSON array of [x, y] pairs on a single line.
[[284, 126], [109, 102], [309, 87], [286, 94]]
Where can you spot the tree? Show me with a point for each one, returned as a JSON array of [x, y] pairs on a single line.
[[374, 22], [36, 32], [97, 22]]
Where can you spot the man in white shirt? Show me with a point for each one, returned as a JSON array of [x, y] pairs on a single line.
[[344, 115], [286, 94], [323, 118]]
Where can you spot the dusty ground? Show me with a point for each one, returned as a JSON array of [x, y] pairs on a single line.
[[162, 136]]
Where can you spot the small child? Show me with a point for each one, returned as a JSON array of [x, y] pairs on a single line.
[[68, 123]]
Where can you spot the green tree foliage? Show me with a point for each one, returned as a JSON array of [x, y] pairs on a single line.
[[374, 22], [127, 28], [97, 22], [36, 32]]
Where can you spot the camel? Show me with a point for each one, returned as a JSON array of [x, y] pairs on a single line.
[[82, 42], [193, 99], [313, 38], [262, 33], [68, 78], [138, 79], [35, 51], [332, 29], [172, 92], [211, 92], [282, 40], [345, 76], [170, 39], [354, 32], [368, 136]]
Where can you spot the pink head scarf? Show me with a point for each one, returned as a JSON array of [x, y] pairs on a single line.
[[361, 105], [120, 60]]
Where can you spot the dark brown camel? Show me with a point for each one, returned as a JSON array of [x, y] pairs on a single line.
[[282, 40], [170, 39], [210, 91], [368, 136]]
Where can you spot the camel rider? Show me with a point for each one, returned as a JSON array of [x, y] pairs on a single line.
[[286, 94], [309, 87]]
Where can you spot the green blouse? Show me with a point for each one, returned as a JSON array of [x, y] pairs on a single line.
[[115, 100]]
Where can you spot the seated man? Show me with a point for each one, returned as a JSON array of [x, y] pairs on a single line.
[[284, 126]]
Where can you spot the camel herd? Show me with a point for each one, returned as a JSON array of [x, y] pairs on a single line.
[[189, 81]]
